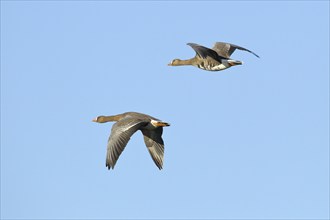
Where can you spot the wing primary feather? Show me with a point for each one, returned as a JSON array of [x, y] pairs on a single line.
[[121, 133], [155, 145]]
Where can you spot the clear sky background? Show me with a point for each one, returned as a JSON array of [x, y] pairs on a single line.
[[245, 143]]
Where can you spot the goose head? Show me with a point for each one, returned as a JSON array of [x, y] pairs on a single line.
[[175, 62], [100, 119]]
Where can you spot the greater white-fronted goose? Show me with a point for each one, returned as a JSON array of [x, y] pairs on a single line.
[[126, 125], [215, 59]]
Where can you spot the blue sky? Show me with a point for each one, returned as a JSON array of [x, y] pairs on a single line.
[[250, 142]]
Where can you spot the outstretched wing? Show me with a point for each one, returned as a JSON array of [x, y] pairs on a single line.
[[204, 52], [155, 144], [226, 49], [121, 132]]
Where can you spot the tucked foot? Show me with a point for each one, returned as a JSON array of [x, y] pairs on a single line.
[[159, 123]]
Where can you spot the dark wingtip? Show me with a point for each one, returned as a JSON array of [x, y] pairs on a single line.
[[109, 166], [192, 44], [253, 53]]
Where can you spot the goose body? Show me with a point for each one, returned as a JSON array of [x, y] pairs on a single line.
[[126, 125], [215, 59]]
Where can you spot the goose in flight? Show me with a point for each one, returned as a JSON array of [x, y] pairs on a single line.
[[215, 59], [126, 125]]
